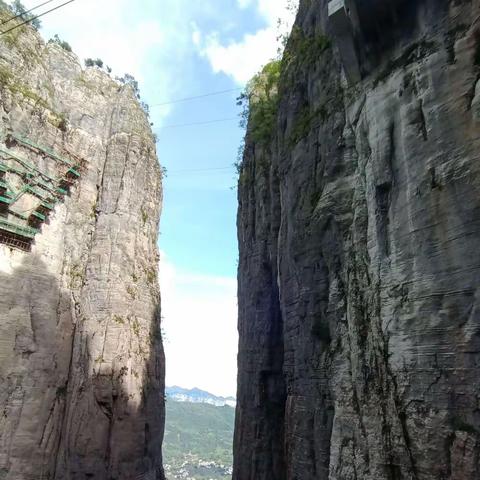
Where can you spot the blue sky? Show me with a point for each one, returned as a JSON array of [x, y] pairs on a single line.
[[178, 49]]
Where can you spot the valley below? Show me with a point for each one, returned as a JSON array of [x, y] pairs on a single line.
[[198, 436]]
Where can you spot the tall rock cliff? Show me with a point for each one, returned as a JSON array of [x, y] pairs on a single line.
[[81, 356], [359, 234]]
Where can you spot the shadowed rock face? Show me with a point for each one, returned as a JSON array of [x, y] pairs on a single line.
[[358, 229], [81, 356]]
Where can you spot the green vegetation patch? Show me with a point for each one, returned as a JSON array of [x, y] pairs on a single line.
[[132, 292], [260, 101], [304, 49], [82, 82], [11, 38], [118, 319], [151, 275], [10, 82], [18, 8], [244, 178], [77, 275], [5, 76], [61, 43], [135, 324], [58, 120], [144, 216], [261, 97], [304, 123], [196, 432], [28, 93]]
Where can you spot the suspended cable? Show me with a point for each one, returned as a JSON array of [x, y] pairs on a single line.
[[201, 123], [25, 13], [34, 18], [187, 99]]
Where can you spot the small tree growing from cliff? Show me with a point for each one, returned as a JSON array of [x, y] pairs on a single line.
[[128, 79], [90, 62], [260, 102], [62, 43], [18, 9], [146, 108]]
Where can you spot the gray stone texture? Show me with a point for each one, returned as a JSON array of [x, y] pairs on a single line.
[[359, 298], [81, 356]]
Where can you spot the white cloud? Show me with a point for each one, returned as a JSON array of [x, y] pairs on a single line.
[[244, 3], [196, 34], [278, 10], [200, 317], [148, 40], [98, 29], [241, 60]]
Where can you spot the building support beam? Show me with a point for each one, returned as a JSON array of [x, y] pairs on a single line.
[[342, 28]]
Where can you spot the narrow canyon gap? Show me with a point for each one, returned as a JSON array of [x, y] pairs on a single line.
[[358, 227]]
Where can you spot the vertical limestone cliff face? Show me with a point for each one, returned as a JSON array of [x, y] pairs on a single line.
[[359, 218], [81, 356]]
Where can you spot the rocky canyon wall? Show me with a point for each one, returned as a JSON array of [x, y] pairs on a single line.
[[358, 228], [81, 356]]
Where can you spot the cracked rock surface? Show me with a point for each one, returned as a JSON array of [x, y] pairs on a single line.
[[81, 356], [359, 297]]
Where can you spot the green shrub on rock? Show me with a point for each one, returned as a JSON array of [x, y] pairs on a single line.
[[62, 43], [260, 102]]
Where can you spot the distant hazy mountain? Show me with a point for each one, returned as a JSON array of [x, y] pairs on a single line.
[[196, 395], [198, 437]]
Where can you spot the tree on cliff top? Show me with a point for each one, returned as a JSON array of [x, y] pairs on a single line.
[[128, 79], [62, 43], [260, 102], [19, 9]]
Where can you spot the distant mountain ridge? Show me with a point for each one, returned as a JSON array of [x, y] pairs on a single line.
[[195, 395]]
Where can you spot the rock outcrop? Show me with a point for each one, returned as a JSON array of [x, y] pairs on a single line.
[[359, 228], [81, 356]]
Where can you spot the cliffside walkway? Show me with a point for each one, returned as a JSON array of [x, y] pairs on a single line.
[[32, 182]]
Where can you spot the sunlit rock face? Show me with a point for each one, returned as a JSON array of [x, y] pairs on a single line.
[[359, 277], [81, 357]]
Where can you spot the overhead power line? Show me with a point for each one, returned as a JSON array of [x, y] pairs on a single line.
[[25, 13], [205, 95], [34, 18], [209, 122]]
